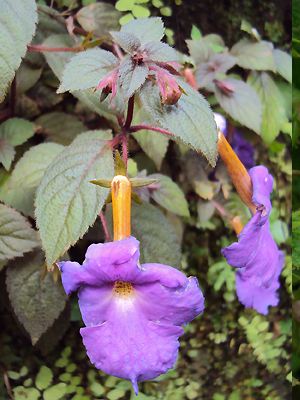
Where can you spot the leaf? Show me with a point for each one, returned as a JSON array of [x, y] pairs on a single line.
[[57, 62], [127, 41], [27, 77], [190, 120], [140, 11], [7, 153], [16, 131], [17, 26], [99, 18], [283, 62], [273, 111], [67, 203], [154, 144], [254, 55], [16, 235], [55, 392], [60, 127], [19, 190], [157, 245], [169, 195], [131, 76], [161, 52], [216, 64], [43, 378], [22, 393], [243, 104], [36, 302], [91, 65], [205, 47], [13, 132], [145, 29]]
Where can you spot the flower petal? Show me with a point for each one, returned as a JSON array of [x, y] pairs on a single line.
[[165, 294], [131, 347], [262, 183], [260, 264], [104, 263]]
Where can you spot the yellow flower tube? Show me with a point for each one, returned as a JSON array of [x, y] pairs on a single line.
[[121, 205], [237, 172]]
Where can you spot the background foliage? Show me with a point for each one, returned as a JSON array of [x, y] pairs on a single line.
[[228, 353]]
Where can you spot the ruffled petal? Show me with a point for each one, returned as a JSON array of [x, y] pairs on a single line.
[[253, 294], [259, 264], [167, 295], [104, 263], [131, 347]]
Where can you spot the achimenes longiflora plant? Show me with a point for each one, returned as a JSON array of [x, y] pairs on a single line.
[[134, 313]]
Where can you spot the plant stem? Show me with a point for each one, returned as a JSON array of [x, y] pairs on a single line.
[[125, 148], [105, 227], [118, 51], [129, 113], [136, 128], [38, 48]]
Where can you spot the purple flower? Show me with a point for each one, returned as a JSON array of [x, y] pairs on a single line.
[[133, 313], [243, 149], [256, 254]]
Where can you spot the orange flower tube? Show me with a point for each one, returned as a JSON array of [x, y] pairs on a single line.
[[121, 205], [237, 171]]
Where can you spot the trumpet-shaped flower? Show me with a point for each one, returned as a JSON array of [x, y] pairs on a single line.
[[256, 255], [133, 313]]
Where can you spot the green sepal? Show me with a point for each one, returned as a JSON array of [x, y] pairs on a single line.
[[102, 182], [139, 182]]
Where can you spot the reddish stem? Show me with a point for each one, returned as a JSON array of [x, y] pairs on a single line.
[[41, 49], [118, 51], [136, 128], [105, 227], [125, 148], [129, 113]]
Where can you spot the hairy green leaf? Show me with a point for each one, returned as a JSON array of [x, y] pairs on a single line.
[[7, 153], [242, 103], [60, 127], [91, 99], [16, 235], [161, 52], [131, 76], [273, 111], [145, 29], [90, 65], [216, 64], [157, 245], [283, 62], [36, 302], [169, 195], [127, 41], [154, 144], [19, 189], [67, 203], [254, 55], [190, 120], [17, 26], [16, 131], [13, 132], [99, 18]]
